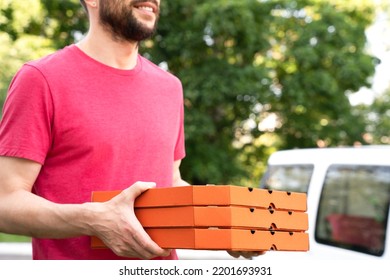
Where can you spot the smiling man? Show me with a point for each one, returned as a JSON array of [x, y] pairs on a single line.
[[92, 116], [129, 21]]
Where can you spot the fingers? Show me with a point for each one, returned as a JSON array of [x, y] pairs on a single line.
[[146, 248], [234, 254], [131, 238], [137, 189], [245, 254], [144, 245], [135, 247]]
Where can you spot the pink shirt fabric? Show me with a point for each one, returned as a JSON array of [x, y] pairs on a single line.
[[92, 127]]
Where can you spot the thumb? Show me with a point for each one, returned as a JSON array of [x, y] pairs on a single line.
[[137, 189]]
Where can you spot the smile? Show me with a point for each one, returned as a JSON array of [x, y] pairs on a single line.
[[147, 7]]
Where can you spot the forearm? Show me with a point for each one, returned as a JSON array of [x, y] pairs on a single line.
[[24, 213], [114, 221]]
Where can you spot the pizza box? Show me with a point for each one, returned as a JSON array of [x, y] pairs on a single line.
[[224, 239], [222, 216], [216, 195]]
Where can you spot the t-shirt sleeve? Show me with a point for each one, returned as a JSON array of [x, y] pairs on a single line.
[[25, 127]]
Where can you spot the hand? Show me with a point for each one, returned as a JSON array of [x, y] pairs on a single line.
[[120, 230], [246, 254]]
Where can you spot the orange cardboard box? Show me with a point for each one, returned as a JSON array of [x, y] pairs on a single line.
[[228, 217], [225, 239], [218, 195]]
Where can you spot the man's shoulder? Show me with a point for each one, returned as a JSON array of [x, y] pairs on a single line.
[[54, 60], [158, 71], [44, 67]]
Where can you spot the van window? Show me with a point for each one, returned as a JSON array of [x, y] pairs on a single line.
[[354, 207], [294, 178]]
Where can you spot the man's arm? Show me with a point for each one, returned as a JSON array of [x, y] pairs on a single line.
[[24, 213]]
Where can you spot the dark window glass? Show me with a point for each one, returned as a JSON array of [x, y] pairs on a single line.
[[354, 208]]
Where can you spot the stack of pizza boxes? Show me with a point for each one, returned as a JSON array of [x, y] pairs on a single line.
[[221, 217]]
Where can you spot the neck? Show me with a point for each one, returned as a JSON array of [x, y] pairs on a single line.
[[102, 47]]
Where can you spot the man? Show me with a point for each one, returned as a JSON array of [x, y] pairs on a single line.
[[92, 116]]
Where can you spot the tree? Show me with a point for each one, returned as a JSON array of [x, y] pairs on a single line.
[[32, 29], [377, 119], [65, 23], [244, 62], [17, 19], [378, 113], [323, 56]]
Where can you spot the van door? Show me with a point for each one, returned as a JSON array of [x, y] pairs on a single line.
[[354, 208]]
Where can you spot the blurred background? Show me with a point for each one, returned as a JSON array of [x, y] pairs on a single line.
[[258, 75]]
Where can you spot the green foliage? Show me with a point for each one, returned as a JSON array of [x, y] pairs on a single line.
[[14, 53], [19, 17], [32, 29], [19, 38], [66, 21], [319, 55], [13, 238], [257, 75], [253, 60], [378, 119]]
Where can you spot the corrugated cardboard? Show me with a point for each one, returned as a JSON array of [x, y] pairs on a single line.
[[228, 217], [219, 195], [220, 218], [225, 239]]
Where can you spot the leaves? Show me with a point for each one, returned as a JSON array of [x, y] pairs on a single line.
[[293, 59], [257, 75]]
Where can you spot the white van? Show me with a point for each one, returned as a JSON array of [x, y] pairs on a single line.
[[348, 199]]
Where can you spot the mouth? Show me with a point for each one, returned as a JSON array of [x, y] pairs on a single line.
[[146, 6]]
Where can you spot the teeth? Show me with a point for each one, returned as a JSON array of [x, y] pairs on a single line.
[[149, 9]]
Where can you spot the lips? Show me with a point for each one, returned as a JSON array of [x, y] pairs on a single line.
[[146, 6]]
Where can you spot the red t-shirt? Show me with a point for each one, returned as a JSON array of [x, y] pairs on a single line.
[[92, 127]]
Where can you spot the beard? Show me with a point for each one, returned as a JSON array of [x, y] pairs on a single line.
[[116, 16]]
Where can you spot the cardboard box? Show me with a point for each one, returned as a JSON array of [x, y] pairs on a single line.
[[228, 217], [219, 195], [225, 239], [220, 218]]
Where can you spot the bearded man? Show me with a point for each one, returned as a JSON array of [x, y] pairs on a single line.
[[93, 116]]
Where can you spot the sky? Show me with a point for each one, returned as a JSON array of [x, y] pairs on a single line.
[[378, 36]]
